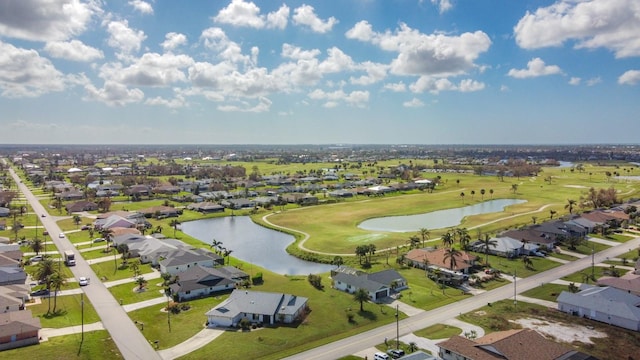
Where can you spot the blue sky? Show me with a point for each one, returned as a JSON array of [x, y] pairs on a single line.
[[319, 72]]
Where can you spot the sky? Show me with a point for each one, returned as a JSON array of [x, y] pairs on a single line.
[[319, 72]]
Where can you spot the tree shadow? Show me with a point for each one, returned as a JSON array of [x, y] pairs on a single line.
[[54, 314], [369, 315]]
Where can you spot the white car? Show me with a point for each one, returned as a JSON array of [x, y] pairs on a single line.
[[83, 281], [61, 236]]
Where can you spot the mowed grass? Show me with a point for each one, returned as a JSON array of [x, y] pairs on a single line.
[[110, 270], [334, 228], [547, 292], [438, 331], [128, 293], [69, 311], [96, 345]]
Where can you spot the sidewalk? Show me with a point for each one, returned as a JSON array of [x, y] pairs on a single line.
[[46, 333], [146, 303], [147, 276], [197, 341]]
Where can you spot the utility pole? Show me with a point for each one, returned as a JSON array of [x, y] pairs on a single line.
[[515, 300], [397, 328], [593, 268]]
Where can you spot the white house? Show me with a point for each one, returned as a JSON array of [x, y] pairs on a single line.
[[257, 307], [605, 304]]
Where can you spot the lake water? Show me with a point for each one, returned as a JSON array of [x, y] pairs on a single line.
[[253, 243], [435, 219]]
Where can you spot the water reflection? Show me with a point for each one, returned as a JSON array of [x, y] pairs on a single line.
[[253, 243], [435, 219]]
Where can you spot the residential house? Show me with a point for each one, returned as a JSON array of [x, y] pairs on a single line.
[[200, 281], [80, 206], [517, 344], [166, 189], [18, 329], [605, 304], [206, 207], [257, 307], [4, 212], [237, 203], [14, 297], [508, 247], [114, 221], [181, 260], [71, 194], [629, 282], [300, 198], [159, 211], [378, 285], [434, 259]]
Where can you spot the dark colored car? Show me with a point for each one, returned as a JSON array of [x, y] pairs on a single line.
[[40, 292], [396, 353]]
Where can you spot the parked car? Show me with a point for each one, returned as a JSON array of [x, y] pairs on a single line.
[[380, 356], [41, 292], [396, 353], [61, 235], [539, 254], [45, 232], [85, 227], [36, 258], [98, 240], [83, 281], [43, 215]]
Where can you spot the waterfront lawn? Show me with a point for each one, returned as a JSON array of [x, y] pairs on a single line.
[[96, 345], [547, 292], [438, 331], [108, 271], [68, 311], [128, 294]]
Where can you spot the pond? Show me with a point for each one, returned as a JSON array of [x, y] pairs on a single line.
[[435, 219], [253, 243]]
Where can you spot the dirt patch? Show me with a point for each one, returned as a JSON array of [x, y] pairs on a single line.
[[561, 332]]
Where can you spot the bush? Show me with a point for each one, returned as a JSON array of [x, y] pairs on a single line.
[[316, 281], [257, 279]]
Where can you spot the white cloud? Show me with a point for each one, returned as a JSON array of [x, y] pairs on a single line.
[[336, 62], [397, 87], [173, 40], [536, 67], [420, 54], [443, 5], [375, 73], [575, 81], [296, 53], [468, 85], [305, 15], [113, 94], [151, 69], [504, 88], [73, 50], [247, 14], [124, 39], [45, 20], [413, 103], [141, 6], [354, 98], [630, 77], [24, 73], [594, 81], [175, 103], [216, 39], [610, 24], [263, 105]]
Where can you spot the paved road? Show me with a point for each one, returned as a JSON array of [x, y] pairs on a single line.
[[357, 343], [131, 343]]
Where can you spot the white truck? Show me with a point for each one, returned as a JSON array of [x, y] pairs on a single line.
[[69, 258]]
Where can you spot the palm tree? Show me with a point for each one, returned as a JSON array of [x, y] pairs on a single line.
[[44, 269], [337, 261], [107, 235], [56, 281], [463, 237], [124, 250], [552, 213], [462, 197], [514, 188], [37, 246], [450, 255], [135, 267], [362, 296], [486, 243], [215, 243], [473, 192], [361, 251], [482, 193], [413, 241], [77, 220], [491, 193], [174, 224], [447, 239], [527, 262], [158, 229], [424, 234], [570, 204], [141, 282], [371, 250], [226, 254]]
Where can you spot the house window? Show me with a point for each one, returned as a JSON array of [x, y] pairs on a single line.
[[188, 292]]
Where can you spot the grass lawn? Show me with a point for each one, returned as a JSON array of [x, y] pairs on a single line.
[[620, 343], [68, 311], [547, 292], [586, 247], [127, 295], [614, 237], [508, 266], [96, 253], [108, 271], [581, 276], [438, 331], [96, 345]]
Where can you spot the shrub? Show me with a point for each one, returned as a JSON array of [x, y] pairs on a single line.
[[257, 279], [315, 280]]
